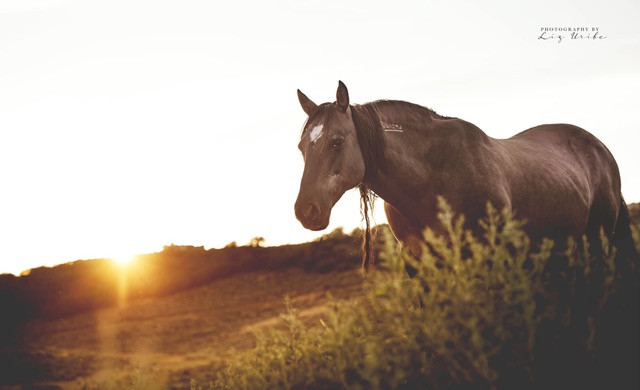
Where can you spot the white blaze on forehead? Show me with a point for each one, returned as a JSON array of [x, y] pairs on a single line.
[[316, 133]]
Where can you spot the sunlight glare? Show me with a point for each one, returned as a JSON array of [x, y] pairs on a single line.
[[123, 261]]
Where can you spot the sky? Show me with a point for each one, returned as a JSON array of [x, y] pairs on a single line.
[[129, 125]]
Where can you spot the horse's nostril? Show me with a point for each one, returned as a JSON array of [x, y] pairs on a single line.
[[312, 211], [307, 212]]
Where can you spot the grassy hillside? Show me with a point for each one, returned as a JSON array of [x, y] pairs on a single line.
[[68, 324], [186, 312], [93, 284], [167, 341]]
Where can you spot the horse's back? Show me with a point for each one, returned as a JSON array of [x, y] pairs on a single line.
[[563, 176], [578, 149]]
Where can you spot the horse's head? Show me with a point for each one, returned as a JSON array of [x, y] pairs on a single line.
[[332, 157]]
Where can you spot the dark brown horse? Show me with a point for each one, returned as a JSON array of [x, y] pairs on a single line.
[[558, 177]]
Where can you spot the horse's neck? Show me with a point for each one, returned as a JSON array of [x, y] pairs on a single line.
[[421, 160]]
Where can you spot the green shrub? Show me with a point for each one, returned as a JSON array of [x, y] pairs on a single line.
[[481, 312]]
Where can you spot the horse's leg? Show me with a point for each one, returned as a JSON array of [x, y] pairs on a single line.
[[405, 232]]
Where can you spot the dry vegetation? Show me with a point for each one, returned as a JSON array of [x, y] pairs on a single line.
[[490, 312]]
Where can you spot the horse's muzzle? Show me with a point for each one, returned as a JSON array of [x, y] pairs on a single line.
[[310, 216]]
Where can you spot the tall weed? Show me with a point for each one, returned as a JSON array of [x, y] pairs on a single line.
[[494, 311]]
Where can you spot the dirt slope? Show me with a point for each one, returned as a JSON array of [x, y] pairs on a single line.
[[170, 340]]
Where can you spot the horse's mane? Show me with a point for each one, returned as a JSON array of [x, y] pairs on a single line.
[[366, 119], [407, 111], [371, 140], [370, 131]]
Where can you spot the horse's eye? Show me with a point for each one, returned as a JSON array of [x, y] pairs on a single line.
[[336, 143]]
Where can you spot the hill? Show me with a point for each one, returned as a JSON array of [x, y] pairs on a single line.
[[167, 340], [171, 316], [86, 285]]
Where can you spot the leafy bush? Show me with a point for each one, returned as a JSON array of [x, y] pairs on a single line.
[[481, 312]]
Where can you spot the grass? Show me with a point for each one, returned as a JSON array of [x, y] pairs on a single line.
[[493, 312], [157, 343]]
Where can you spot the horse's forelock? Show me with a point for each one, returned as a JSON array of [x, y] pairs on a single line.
[[321, 114]]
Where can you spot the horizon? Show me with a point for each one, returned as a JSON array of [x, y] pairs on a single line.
[[125, 262], [129, 125]]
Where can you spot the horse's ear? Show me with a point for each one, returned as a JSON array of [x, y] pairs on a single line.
[[307, 105], [342, 97]]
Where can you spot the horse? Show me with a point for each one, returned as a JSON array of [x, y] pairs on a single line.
[[558, 177]]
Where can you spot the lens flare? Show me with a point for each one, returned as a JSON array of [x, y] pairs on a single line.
[[123, 260]]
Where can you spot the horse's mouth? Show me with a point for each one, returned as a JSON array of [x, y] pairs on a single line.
[[312, 215], [319, 227], [315, 225]]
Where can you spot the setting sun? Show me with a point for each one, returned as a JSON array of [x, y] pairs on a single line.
[[123, 260]]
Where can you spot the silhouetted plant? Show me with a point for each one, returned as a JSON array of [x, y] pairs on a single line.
[[256, 242]]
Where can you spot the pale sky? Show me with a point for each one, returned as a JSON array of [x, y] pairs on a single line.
[[129, 125]]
